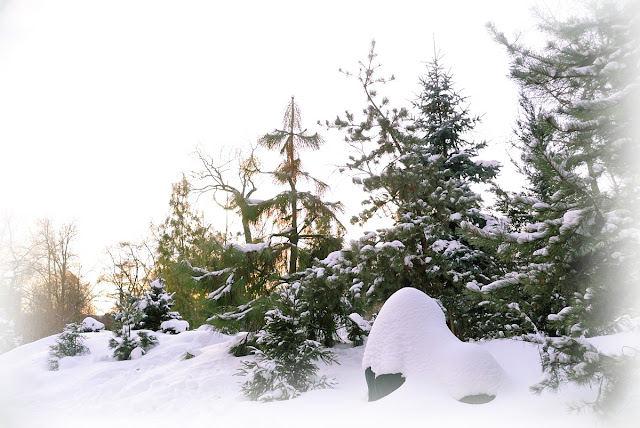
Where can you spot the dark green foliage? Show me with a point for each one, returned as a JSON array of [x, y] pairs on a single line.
[[418, 167], [285, 363], [68, 344], [124, 344], [241, 290], [185, 240], [156, 307], [571, 247]]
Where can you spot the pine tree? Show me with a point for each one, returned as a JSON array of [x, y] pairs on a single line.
[[156, 306], [302, 214], [284, 364], [577, 244], [127, 343], [427, 169], [68, 344]]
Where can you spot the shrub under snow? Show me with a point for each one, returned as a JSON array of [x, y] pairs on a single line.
[[410, 337], [90, 324], [174, 326]]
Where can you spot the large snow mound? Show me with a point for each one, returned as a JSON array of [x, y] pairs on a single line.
[[410, 336]]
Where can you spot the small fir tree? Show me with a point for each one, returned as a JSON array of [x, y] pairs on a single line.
[[128, 314], [285, 361], [156, 306], [68, 344]]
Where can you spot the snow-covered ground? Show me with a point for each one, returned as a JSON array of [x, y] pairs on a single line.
[[162, 389]]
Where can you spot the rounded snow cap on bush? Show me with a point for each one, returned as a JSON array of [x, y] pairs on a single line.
[[91, 324], [410, 336], [174, 326]]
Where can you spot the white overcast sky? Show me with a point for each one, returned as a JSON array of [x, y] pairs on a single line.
[[102, 103]]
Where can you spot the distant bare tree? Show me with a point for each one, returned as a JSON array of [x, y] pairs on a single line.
[[53, 292], [128, 268]]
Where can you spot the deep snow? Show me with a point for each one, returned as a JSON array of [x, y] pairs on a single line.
[[162, 389], [410, 336]]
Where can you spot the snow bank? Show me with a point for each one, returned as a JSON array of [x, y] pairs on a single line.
[[410, 336], [91, 324], [165, 389]]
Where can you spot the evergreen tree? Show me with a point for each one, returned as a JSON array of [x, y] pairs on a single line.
[[306, 229], [183, 241], [156, 306], [68, 344], [303, 215], [129, 344], [420, 170], [284, 364], [127, 312], [577, 246]]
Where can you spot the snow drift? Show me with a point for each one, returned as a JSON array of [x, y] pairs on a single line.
[[410, 336]]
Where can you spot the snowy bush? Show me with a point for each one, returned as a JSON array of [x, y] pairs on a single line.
[[90, 324], [68, 344], [132, 346], [284, 366], [358, 329], [410, 337], [174, 326]]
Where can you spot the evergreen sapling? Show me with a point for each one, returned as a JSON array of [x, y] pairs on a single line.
[[285, 363], [68, 344]]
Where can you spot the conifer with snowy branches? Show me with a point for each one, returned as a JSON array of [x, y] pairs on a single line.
[[428, 167], [156, 306], [68, 344], [285, 361], [577, 245], [128, 344]]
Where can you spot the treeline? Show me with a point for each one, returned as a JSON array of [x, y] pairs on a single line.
[[43, 289], [555, 263]]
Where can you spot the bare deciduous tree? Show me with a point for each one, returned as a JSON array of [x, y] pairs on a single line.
[[128, 268], [53, 292]]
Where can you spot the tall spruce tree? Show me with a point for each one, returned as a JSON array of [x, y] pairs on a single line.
[[428, 167], [577, 242]]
